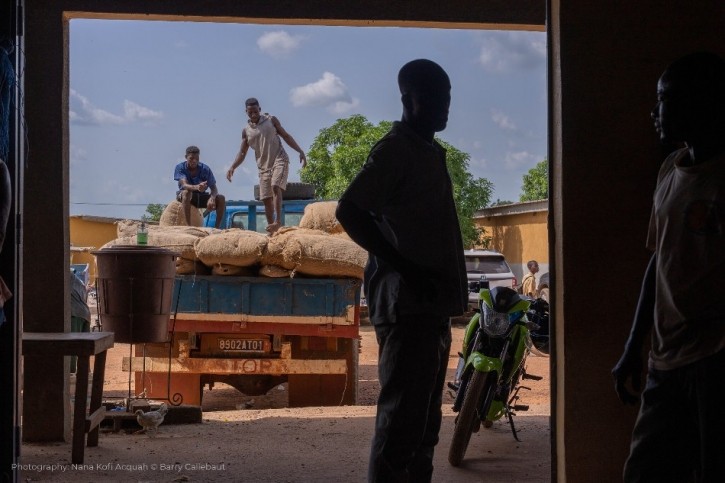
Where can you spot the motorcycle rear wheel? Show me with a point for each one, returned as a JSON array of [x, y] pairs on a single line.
[[477, 389]]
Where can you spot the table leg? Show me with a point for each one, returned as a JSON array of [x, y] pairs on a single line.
[[99, 369], [79, 411]]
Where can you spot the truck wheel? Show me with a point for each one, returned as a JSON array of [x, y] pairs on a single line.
[[294, 191], [326, 390]]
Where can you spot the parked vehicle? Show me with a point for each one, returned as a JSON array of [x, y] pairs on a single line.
[[538, 313], [492, 363], [254, 333], [249, 215], [490, 264]]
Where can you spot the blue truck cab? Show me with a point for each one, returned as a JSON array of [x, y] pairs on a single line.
[[250, 215]]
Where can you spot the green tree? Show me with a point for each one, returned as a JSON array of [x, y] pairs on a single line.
[[339, 151], [536, 183], [153, 212]]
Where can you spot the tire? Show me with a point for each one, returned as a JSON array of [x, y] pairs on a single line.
[[478, 387], [294, 191]]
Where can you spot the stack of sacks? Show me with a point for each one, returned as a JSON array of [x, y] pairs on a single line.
[[314, 253], [126, 228], [179, 239], [232, 252], [321, 216], [173, 215], [274, 263]]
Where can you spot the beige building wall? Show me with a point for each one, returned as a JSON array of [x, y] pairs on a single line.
[[520, 232], [90, 232]]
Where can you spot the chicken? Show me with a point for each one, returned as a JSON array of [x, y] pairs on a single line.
[[151, 420]]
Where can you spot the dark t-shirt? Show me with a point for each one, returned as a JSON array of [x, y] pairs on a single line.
[[405, 185]]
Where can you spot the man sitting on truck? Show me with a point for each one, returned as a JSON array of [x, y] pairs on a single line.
[[195, 179]]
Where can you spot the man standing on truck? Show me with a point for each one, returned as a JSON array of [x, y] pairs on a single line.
[[195, 179], [262, 133], [415, 278]]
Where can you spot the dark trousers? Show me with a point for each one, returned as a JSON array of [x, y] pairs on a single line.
[[678, 436], [413, 359]]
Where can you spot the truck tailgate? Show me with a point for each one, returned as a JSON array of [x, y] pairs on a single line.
[[330, 300]]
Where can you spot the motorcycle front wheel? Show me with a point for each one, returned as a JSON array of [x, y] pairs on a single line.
[[478, 389]]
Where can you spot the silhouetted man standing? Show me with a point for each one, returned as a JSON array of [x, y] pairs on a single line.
[[415, 278], [678, 436]]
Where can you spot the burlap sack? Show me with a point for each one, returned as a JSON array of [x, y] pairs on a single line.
[[237, 247], [191, 267], [273, 271], [325, 256], [229, 270], [130, 228], [277, 242], [321, 216], [178, 242], [173, 215]]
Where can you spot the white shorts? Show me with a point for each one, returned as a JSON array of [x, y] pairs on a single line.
[[277, 176]]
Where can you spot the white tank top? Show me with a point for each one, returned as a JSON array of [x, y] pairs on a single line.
[[263, 138]]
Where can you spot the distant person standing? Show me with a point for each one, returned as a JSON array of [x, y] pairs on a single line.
[[678, 435], [528, 284], [262, 133], [194, 180], [415, 278]]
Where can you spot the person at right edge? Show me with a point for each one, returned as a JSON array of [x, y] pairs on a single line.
[[678, 435], [400, 209]]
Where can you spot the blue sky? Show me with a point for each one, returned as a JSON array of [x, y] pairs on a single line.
[[140, 92]]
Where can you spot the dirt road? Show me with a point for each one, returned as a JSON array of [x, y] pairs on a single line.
[[258, 439]]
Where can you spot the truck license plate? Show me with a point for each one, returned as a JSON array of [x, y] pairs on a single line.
[[240, 345]]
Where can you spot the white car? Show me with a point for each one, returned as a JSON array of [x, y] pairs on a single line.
[[493, 265]]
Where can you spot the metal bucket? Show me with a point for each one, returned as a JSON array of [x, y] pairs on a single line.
[[134, 287]]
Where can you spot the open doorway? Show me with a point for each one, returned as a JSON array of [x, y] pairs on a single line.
[[137, 111]]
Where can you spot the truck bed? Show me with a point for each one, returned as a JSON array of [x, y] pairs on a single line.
[[329, 300]]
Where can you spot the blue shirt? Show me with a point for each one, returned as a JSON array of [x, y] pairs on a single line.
[[203, 173]]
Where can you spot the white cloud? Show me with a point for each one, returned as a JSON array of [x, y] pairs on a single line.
[[134, 112], [82, 111], [279, 44], [507, 51], [518, 160], [502, 120], [342, 107], [329, 91]]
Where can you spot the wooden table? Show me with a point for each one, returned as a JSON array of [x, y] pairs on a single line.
[[83, 345]]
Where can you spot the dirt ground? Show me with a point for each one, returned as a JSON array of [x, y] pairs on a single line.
[[259, 439]]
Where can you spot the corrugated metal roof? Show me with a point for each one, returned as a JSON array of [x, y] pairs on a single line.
[[100, 219], [513, 209]]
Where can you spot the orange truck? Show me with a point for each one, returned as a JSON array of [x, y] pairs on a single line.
[[254, 333]]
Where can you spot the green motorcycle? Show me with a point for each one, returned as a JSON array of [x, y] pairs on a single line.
[[492, 364]]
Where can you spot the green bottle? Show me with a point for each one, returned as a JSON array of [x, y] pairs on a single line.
[[142, 235]]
